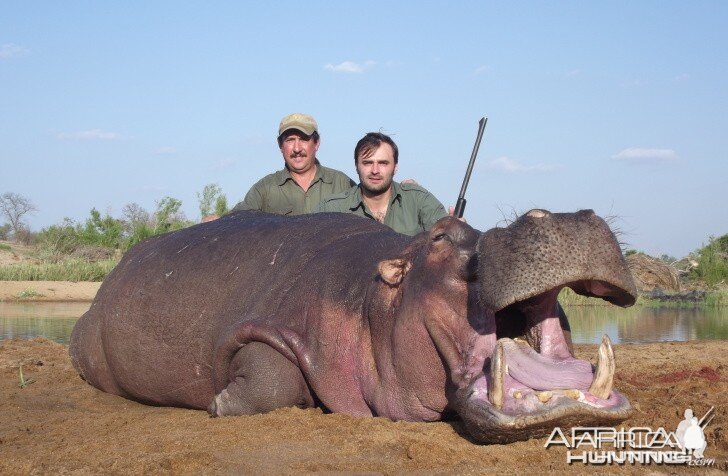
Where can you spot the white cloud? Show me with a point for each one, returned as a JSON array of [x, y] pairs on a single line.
[[166, 150], [350, 67], [9, 50], [481, 69], [92, 134], [510, 166], [645, 156], [572, 73], [682, 77]]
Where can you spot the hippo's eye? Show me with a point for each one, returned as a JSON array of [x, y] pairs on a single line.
[[442, 236]]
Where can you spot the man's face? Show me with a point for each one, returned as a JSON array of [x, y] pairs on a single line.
[[377, 170], [299, 151]]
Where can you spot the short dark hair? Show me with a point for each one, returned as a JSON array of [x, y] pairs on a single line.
[[315, 136], [369, 144]]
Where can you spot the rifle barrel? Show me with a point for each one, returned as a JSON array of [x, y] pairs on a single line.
[[460, 204]]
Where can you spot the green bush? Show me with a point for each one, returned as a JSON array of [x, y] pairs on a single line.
[[63, 238], [102, 231], [69, 251], [221, 206], [5, 230], [57, 241], [713, 262], [138, 232]]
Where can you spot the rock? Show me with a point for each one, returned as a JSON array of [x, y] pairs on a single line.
[[651, 274]]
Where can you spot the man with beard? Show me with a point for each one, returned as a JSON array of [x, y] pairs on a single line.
[[303, 182], [407, 208]]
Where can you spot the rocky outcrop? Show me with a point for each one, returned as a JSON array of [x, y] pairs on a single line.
[[650, 273]]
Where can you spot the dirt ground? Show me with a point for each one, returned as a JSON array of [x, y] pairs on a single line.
[[17, 254], [59, 424]]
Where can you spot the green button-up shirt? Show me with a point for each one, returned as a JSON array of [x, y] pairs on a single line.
[[411, 211], [279, 193]]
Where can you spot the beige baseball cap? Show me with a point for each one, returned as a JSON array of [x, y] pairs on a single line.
[[301, 122]]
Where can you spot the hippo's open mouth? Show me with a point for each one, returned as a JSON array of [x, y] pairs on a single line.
[[532, 382]]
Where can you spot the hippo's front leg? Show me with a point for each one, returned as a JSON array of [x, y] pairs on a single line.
[[255, 373]]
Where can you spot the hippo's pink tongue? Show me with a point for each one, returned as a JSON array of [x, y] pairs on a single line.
[[540, 372], [516, 367]]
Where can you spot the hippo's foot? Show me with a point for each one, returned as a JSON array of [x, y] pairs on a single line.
[[261, 380]]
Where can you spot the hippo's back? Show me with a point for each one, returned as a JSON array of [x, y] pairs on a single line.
[[150, 333]]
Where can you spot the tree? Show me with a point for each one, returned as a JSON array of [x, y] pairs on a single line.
[[221, 205], [134, 214], [211, 199], [168, 215], [14, 207], [138, 224]]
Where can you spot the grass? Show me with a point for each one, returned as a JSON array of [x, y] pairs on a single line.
[[5, 247], [567, 297], [717, 298], [28, 293], [649, 302], [23, 382], [68, 270]]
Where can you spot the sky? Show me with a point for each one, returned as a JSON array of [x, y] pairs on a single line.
[[620, 106]]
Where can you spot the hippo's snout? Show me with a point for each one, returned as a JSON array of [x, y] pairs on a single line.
[[542, 250]]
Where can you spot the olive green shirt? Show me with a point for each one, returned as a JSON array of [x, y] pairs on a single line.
[[411, 211], [279, 193]]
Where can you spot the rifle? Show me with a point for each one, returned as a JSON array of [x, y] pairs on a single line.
[[460, 205]]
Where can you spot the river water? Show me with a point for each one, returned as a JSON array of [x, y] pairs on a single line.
[[588, 323]]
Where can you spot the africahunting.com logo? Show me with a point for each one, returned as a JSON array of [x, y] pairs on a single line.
[[639, 445]]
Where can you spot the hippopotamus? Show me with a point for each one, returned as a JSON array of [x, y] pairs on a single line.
[[254, 312]]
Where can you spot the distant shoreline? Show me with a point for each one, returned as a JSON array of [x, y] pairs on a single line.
[[85, 291], [48, 291]]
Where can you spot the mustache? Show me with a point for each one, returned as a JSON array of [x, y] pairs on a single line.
[[295, 155]]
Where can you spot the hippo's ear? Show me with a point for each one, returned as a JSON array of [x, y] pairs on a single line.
[[393, 271]]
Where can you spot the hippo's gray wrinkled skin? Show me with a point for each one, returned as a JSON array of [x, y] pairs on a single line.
[[254, 312]]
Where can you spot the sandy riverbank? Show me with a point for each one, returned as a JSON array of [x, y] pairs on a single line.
[[59, 424], [48, 291]]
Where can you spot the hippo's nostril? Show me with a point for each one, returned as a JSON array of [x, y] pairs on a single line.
[[537, 213]]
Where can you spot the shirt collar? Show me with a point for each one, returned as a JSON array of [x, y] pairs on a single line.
[[323, 174], [396, 195]]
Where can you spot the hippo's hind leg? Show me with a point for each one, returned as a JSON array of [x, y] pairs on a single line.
[[261, 380], [88, 355]]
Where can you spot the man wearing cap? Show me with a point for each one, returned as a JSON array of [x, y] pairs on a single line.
[[303, 182], [407, 208]]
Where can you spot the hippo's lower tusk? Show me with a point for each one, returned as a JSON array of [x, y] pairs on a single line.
[[498, 370], [604, 376]]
